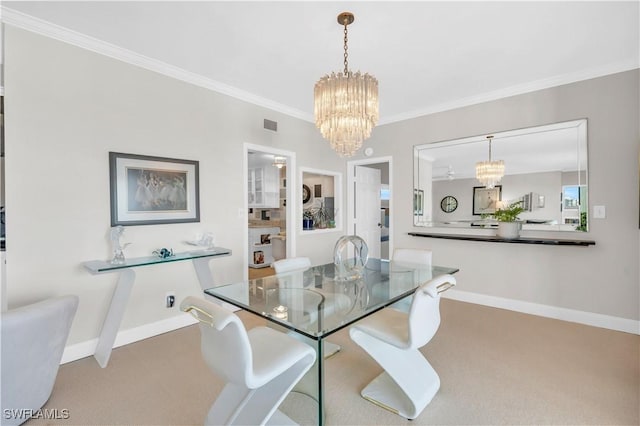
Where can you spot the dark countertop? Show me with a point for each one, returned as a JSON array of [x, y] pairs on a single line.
[[494, 239]]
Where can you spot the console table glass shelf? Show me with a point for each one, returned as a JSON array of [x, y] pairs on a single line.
[[97, 266], [494, 239], [126, 277]]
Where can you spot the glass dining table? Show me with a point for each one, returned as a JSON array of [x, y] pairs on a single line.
[[319, 301]]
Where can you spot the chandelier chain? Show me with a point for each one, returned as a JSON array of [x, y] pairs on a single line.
[[346, 54]]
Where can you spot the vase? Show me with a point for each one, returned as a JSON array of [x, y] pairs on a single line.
[[307, 224], [509, 230]]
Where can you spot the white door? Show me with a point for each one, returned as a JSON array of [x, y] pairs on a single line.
[[367, 208]]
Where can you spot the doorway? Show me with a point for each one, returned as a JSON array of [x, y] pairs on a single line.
[[370, 204], [269, 180]]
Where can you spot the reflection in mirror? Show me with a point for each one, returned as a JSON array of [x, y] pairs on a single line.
[[320, 198], [545, 167]]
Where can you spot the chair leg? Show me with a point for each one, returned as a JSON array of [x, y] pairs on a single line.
[[238, 405], [408, 383]]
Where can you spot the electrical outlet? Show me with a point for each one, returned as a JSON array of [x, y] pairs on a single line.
[[170, 299]]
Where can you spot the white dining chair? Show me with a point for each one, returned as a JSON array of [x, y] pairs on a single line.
[[393, 339], [33, 340], [301, 264], [259, 366], [410, 257]]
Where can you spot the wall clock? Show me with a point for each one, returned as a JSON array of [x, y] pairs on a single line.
[[449, 204], [306, 194]]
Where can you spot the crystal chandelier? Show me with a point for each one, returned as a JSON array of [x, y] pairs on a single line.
[[346, 104], [489, 172]]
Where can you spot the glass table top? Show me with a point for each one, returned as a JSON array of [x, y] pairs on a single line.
[[318, 302]]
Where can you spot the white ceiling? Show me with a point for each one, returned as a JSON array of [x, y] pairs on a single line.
[[427, 56]]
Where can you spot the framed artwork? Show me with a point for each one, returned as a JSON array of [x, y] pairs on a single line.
[[418, 202], [485, 199], [317, 191], [149, 190]]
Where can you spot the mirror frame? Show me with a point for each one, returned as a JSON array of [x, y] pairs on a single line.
[[429, 217]]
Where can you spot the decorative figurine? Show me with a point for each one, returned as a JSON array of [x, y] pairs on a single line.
[[163, 253], [118, 254]]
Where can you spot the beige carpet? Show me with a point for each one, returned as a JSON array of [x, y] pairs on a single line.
[[497, 368]]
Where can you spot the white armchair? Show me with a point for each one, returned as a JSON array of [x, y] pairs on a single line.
[[393, 338], [33, 339], [260, 367]]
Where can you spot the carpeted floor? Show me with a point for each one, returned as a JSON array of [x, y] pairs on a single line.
[[496, 367]]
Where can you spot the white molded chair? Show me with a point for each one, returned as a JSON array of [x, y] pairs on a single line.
[[291, 264], [301, 264], [33, 339], [393, 338], [259, 366], [410, 256]]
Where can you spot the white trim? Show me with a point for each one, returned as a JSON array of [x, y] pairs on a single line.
[[518, 89], [290, 191], [337, 195], [57, 32], [124, 337], [547, 311]]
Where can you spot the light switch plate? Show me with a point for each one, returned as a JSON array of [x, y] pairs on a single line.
[[599, 212]]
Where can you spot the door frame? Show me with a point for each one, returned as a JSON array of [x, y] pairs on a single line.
[[351, 171], [290, 194]]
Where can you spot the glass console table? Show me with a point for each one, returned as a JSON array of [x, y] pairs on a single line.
[[316, 303], [199, 258]]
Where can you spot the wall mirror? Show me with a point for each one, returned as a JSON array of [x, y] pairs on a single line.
[[545, 167], [320, 198]]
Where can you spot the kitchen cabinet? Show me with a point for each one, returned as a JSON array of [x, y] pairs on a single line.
[[263, 187]]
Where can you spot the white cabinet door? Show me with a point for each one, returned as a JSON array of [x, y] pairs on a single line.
[[256, 187], [271, 187], [264, 187]]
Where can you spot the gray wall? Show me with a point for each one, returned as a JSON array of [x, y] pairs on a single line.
[[66, 108], [602, 279]]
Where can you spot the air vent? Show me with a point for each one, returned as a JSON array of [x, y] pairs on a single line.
[[271, 125]]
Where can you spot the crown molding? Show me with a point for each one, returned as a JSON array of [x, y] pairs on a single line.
[[57, 32], [518, 90]]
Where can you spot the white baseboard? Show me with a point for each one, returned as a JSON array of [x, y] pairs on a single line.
[[124, 337], [571, 315], [85, 349]]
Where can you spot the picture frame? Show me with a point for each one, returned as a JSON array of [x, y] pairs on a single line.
[[418, 202], [147, 190], [485, 199], [258, 257]]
